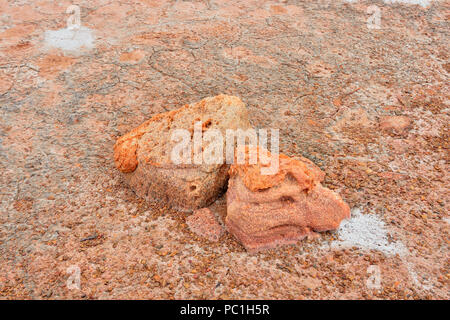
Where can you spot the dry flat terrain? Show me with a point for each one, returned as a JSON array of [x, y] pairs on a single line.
[[369, 105]]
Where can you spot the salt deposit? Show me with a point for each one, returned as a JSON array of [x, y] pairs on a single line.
[[367, 232], [70, 40]]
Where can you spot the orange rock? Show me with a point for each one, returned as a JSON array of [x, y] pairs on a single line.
[[144, 154], [304, 171], [268, 211]]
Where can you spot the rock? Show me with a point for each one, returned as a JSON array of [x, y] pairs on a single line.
[[395, 124], [265, 211], [144, 154], [204, 224]]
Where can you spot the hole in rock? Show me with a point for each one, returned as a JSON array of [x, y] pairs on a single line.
[[207, 124], [287, 199]]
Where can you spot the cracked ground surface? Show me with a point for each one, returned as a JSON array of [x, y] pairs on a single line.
[[313, 69]]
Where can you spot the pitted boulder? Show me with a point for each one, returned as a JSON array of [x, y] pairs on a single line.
[[266, 211], [144, 154]]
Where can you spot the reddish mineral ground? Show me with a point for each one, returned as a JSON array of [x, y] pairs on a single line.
[[365, 99]]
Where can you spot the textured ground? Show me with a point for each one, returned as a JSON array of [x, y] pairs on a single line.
[[310, 68]]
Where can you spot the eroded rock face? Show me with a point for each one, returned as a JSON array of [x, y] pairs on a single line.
[[265, 211], [144, 154]]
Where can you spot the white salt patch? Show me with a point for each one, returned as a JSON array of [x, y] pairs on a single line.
[[70, 40], [367, 232]]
